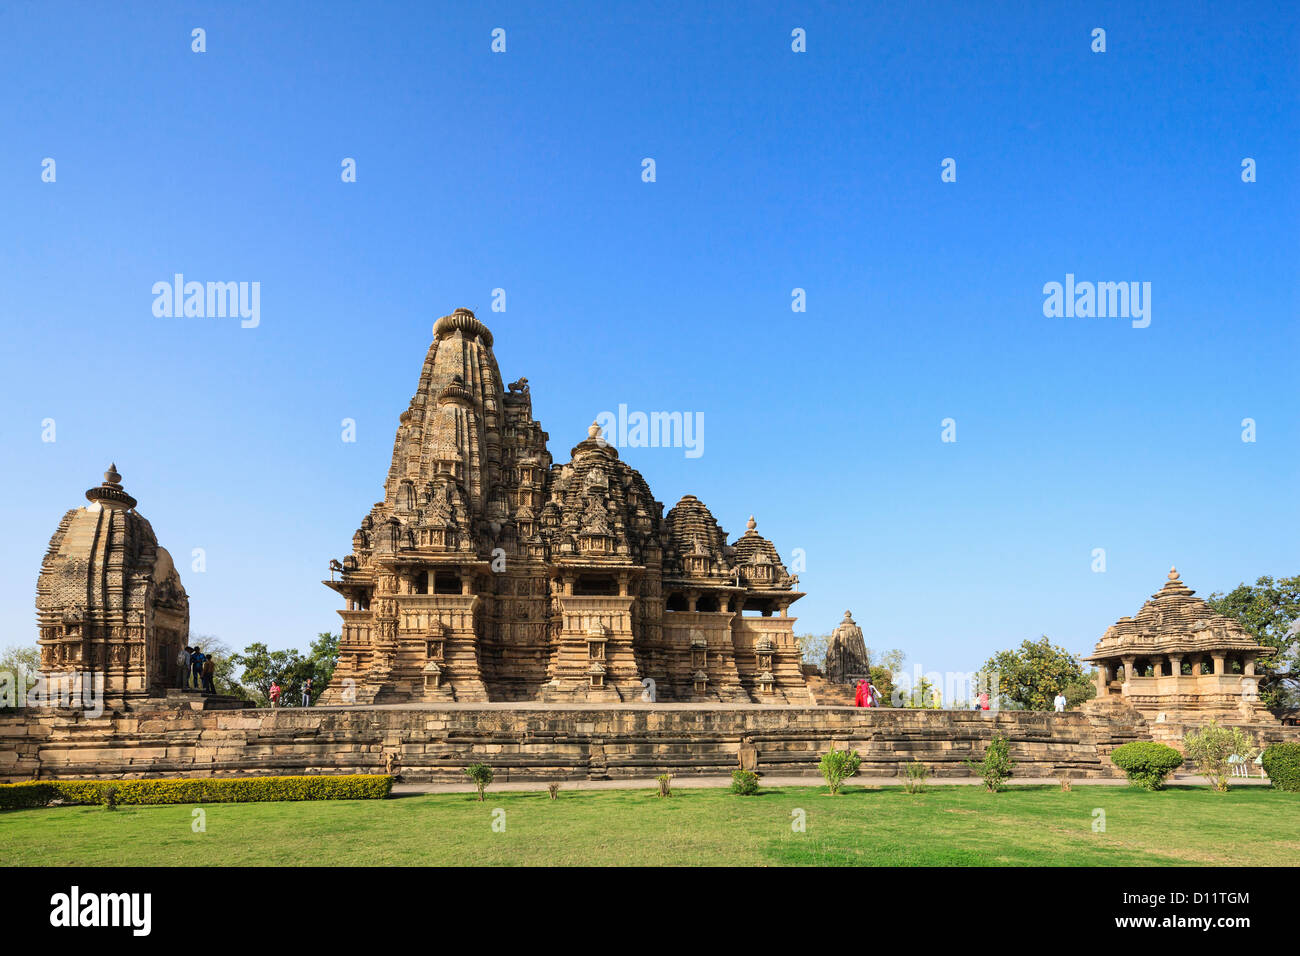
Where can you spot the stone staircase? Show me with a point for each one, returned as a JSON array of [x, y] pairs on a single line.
[[826, 694]]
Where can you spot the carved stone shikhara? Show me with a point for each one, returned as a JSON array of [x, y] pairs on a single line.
[[846, 653], [489, 573], [109, 600]]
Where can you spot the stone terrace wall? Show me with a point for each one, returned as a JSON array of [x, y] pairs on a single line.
[[434, 743]]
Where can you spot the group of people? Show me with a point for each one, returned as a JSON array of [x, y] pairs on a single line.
[[866, 695], [195, 670], [277, 692]]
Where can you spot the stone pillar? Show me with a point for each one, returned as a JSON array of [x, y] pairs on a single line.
[[1218, 664], [1197, 660], [1102, 689], [1129, 660], [1248, 665], [692, 598], [1176, 664], [1157, 666]]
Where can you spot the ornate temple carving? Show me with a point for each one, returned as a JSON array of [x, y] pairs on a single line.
[[109, 599], [1180, 660], [545, 581]]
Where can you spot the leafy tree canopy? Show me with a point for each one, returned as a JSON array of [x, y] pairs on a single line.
[[1270, 610], [1029, 677]]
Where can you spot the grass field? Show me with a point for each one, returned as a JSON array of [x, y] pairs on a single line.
[[947, 826]]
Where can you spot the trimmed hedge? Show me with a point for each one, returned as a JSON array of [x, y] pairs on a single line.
[[1146, 763], [40, 793], [1282, 764]]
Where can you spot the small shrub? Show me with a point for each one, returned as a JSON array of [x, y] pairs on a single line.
[[553, 789], [914, 776], [481, 774], [1282, 764], [665, 781], [1210, 748], [1146, 763], [837, 766], [997, 764], [744, 782], [109, 797]]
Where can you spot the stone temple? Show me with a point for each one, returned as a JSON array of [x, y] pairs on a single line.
[[109, 599], [1179, 660], [490, 573]]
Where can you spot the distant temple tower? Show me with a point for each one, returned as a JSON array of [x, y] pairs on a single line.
[[1180, 658], [489, 573], [846, 654], [109, 599]]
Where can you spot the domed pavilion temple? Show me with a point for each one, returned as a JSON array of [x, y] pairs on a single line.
[[490, 573], [1179, 660], [109, 599]]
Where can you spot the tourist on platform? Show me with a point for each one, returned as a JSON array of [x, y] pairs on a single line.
[[275, 693], [183, 666], [196, 668], [209, 672], [984, 700], [306, 693], [873, 695], [976, 705], [1059, 702], [859, 695]]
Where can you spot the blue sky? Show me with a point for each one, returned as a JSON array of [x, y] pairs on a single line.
[[775, 170]]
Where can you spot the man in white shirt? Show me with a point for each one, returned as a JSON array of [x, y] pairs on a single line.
[[1059, 703]]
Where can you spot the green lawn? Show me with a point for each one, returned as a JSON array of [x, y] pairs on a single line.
[[946, 826]]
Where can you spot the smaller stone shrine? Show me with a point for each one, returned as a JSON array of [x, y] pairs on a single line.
[[846, 654], [1179, 660], [109, 599]]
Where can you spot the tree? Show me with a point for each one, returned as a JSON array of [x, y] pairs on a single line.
[[20, 661], [1270, 610], [813, 648], [290, 668], [262, 666], [1211, 748], [1030, 677], [324, 655]]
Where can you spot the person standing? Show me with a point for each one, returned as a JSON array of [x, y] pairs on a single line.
[[183, 666], [209, 672], [275, 693], [873, 695], [984, 700], [860, 695], [196, 668], [306, 693], [1059, 702]]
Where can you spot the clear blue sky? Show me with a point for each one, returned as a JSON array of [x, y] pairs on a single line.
[[775, 170]]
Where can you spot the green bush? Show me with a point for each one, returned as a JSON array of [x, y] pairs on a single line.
[[914, 776], [1146, 763], [837, 766], [481, 774], [14, 796], [1212, 748], [1282, 764], [665, 781], [744, 782], [996, 765]]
